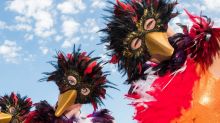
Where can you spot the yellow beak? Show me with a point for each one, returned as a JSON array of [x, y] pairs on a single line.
[[158, 45], [5, 118], [65, 100]]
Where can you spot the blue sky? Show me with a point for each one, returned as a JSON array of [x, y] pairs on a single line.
[[31, 31]]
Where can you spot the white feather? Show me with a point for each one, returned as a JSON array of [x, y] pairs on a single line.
[[142, 86]]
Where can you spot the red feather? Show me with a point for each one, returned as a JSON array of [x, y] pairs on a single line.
[[90, 68], [28, 100], [30, 116], [90, 115], [70, 56], [102, 93], [60, 56], [114, 59], [84, 53], [139, 68], [126, 7], [171, 97], [94, 105], [204, 47], [14, 98]]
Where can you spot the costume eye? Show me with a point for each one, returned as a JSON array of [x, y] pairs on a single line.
[[208, 36], [72, 80], [85, 91], [136, 43], [149, 24], [12, 110]]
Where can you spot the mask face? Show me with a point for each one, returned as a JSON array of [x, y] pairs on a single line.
[[141, 26], [153, 35], [137, 32]]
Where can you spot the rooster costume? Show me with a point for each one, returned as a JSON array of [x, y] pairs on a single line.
[[170, 77], [80, 80]]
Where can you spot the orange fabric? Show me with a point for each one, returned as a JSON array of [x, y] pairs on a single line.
[[206, 101]]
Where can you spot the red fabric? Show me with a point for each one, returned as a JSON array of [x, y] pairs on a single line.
[[170, 100]]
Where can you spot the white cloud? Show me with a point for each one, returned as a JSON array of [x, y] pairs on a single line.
[[216, 22], [90, 26], [9, 51], [36, 10], [104, 57], [44, 24], [22, 19], [29, 7], [70, 27], [98, 4], [3, 25], [71, 6], [24, 27], [17, 27], [58, 38], [44, 50], [90, 29], [69, 43], [28, 37], [212, 4], [29, 58]]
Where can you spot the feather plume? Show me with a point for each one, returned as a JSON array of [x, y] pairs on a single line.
[[171, 94]]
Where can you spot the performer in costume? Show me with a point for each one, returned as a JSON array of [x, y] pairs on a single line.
[[170, 81], [205, 50], [138, 42], [14, 108], [80, 80]]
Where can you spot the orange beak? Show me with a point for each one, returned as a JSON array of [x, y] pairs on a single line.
[[65, 100], [5, 118], [159, 46]]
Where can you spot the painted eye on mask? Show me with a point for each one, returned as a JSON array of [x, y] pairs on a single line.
[[85, 91], [12, 110], [136, 43], [72, 80], [208, 37], [149, 24]]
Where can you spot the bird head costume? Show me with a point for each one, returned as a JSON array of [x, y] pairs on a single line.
[[80, 80], [205, 39], [136, 33], [14, 108]]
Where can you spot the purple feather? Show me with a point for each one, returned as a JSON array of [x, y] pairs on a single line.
[[102, 116]]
